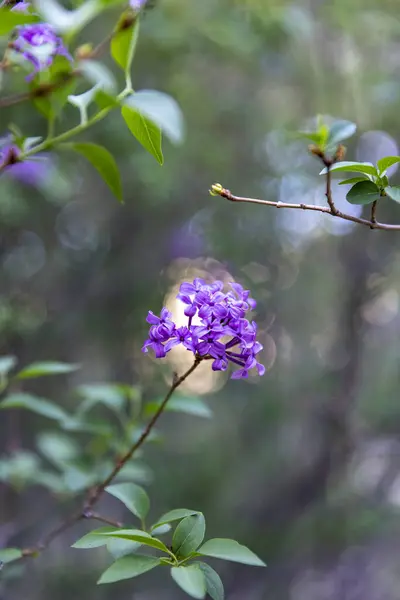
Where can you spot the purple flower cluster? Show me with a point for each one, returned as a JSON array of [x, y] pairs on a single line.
[[39, 44], [218, 315]]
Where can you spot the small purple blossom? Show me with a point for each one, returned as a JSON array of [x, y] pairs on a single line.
[[137, 5], [224, 334], [32, 171], [39, 44], [21, 6]]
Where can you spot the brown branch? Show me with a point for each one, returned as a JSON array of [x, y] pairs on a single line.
[[216, 190], [97, 517], [98, 490]]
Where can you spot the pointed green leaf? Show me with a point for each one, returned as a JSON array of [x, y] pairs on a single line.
[[128, 567], [37, 405], [353, 180], [188, 535], [145, 131], [191, 580], [339, 131], [174, 515], [123, 45], [349, 166], [40, 369], [363, 192], [94, 539], [136, 535], [8, 555], [214, 585], [6, 364], [133, 496], [103, 162], [191, 406], [120, 548], [9, 20], [384, 163], [160, 109], [393, 191], [230, 550]]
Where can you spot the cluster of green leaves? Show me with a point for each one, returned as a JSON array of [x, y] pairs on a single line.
[[182, 556], [77, 468], [107, 418], [373, 183], [147, 113]]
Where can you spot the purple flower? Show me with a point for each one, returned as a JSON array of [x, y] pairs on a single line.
[[137, 5], [39, 44], [222, 316], [21, 6], [32, 171]]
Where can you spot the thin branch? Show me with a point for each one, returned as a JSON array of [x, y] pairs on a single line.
[[220, 191], [98, 490], [97, 517], [86, 512]]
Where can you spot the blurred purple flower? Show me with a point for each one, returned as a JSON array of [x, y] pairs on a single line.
[[222, 315], [39, 44], [21, 6], [32, 171], [137, 5]]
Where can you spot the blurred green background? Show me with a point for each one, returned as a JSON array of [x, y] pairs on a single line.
[[302, 465]]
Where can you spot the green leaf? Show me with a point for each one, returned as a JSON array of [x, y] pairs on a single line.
[[9, 20], [230, 550], [37, 405], [94, 539], [119, 548], [188, 535], [6, 364], [174, 515], [133, 496], [145, 131], [57, 448], [128, 567], [103, 162], [162, 110], [349, 166], [363, 192], [136, 535], [214, 585], [101, 393], [161, 529], [353, 180], [39, 369], [8, 555], [191, 406], [393, 191], [123, 45], [384, 163], [191, 580], [98, 75], [339, 131]]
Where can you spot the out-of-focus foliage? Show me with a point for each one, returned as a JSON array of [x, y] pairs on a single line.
[[302, 465]]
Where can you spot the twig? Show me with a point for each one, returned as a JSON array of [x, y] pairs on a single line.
[[86, 512], [220, 191], [97, 517], [373, 211], [98, 490]]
